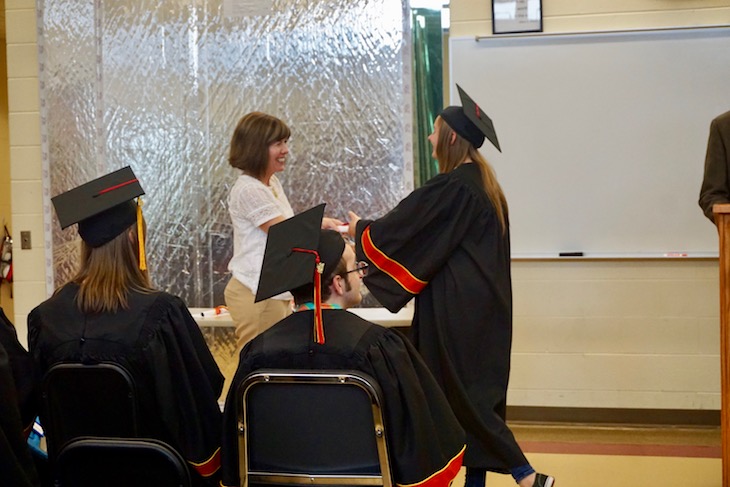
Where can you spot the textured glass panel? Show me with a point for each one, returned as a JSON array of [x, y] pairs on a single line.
[[73, 124], [160, 84]]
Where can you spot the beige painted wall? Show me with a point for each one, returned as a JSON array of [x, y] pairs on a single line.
[[6, 299], [587, 334]]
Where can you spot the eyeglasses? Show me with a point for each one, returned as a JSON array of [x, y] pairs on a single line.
[[361, 268]]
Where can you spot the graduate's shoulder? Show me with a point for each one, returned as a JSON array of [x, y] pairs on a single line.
[[468, 175], [342, 329], [285, 326], [358, 323], [162, 298], [62, 301], [370, 332], [158, 308], [349, 332]]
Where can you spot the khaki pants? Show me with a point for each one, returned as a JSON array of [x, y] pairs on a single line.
[[252, 319]]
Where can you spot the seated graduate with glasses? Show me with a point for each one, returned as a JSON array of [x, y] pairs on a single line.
[[425, 441], [110, 312]]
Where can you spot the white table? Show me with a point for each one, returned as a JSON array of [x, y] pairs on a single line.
[[380, 316]]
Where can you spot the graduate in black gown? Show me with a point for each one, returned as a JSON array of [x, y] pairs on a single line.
[[18, 409], [447, 244], [425, 440], [110, 312]]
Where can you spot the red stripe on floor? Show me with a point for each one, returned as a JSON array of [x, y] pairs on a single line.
[[689, 451]]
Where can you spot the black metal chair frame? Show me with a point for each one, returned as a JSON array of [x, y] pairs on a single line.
[[72, 398], [147, 455], [105, 394], [337, 382]]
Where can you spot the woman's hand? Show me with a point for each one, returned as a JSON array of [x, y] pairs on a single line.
[[353, 223], [331, 223]]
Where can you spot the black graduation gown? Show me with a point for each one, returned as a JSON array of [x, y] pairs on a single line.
[[425, 440], [444, 245], [18, 407], [25, 375], [160, 344]]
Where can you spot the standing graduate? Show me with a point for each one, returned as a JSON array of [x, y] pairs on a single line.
[[447, 244], [425, 440], [110, 312]]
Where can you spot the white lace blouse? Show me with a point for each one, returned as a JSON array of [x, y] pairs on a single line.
[[251, 203]]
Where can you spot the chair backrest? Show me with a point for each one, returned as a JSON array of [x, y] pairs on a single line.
[[87, 400], [312, 427], [115, 462]]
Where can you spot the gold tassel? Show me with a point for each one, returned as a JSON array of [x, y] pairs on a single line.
[[140, 237]]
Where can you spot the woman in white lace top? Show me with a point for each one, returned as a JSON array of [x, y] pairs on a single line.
[[259, 148]]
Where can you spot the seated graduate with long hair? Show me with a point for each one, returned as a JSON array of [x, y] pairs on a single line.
[[109, 311]]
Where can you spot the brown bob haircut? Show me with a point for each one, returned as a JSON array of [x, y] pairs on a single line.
[[255, 132]]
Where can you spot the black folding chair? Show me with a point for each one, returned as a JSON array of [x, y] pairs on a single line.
[[311, 427], [115, 462], [87, 400]]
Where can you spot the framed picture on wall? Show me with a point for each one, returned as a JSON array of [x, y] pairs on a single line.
[[516, 16]]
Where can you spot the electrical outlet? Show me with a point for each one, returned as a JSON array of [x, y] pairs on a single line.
[[25, 240]]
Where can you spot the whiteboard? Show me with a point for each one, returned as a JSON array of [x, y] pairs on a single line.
[[603, 136]]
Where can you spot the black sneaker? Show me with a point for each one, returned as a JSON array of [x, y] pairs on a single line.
[[542, 480]]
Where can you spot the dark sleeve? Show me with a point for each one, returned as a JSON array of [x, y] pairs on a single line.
[[410, 244], [35, 324], [181, 314], [229, 447], [425, 441], [25, 374], [16, 463], [715, 181], [187, 384]]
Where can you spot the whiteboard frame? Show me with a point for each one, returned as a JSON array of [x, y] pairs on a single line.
[[704, 251]]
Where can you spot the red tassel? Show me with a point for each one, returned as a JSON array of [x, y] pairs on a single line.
[[318, 331], [318, 324]]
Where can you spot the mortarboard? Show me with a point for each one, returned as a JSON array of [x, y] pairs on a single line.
[[103, 208], [298, 252], [470, 122]]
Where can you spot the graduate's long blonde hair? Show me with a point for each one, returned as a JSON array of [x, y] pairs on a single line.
[[450, 155], [108, 273]]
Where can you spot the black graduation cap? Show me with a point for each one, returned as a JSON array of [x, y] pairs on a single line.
[[103, 208], [470, 122], [298, 252]]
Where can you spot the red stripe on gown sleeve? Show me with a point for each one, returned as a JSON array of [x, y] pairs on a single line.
[[394, 269]]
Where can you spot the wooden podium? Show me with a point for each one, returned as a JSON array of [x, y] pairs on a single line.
[[722, 220]]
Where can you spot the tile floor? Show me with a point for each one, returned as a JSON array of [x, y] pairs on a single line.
[[619, 456]]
